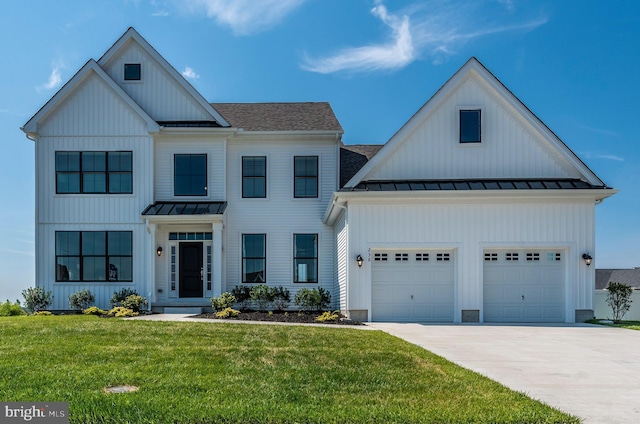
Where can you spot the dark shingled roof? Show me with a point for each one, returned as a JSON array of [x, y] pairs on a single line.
[[313, 116], [630, 277], [353, 157], [474, 184]]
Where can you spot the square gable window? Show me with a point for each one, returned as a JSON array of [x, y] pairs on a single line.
[[132, 72], [470, 126]]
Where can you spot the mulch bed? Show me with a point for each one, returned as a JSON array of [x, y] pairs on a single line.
[[277, 316]]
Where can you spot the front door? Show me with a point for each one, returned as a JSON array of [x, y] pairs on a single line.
[[191, 270]]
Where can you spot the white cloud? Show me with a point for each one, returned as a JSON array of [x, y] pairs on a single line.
[[435, 29], [596, 155], [189, 73], [396, 53], [54, 81], [244, 16], [160, 13]]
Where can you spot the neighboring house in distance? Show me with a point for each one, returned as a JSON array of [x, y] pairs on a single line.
[[604, 277], [630, 277], [473, 211]]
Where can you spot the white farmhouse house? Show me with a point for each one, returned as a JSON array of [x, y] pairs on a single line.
[[474, 211]]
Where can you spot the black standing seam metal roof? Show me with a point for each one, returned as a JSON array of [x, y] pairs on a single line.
[[185, 208], [462, 185]]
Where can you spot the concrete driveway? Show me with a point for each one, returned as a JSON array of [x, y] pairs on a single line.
[[586, 370]]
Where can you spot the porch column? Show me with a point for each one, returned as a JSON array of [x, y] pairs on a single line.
[[151, 265], [216, 272]]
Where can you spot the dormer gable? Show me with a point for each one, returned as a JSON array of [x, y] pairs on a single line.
[[474, 128], [154, 84], [91, 78]]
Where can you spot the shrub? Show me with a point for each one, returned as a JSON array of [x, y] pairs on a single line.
[[281, 298], [619, 298], [242, 295], [81, 300], [227, 312], [43, 313], [134, 302], [8, 309], [94, 310], [119, 297], [313, 299], [121, 311], [262, 295], [36, 299], [328, 316], [226, 300]]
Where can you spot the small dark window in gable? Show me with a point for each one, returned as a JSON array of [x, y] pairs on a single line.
[[470, 126], [132, 72]]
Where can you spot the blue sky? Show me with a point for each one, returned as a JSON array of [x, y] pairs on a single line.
[[572, 62]]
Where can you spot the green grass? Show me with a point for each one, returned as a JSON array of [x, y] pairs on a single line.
[[236, 373], [631, 325]]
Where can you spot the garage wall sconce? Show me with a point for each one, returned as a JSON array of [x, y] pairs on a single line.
[[159, 251], [587, 258], [359, 260]]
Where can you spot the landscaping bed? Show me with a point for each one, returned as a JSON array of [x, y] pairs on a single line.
[[282, 316]]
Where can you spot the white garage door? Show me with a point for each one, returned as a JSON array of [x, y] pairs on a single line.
[[524, 285], [412, 286]]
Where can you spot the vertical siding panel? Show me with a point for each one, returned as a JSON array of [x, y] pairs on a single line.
[[509, 150], [468, 227]]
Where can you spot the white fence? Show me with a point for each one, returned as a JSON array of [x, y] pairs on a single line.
[[602, 310]]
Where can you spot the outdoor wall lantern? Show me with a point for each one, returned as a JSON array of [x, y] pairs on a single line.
[[587, 258], [359, 260], [159, 251]]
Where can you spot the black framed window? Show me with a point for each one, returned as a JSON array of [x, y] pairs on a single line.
[[254, 258], [305, 170], [132, 72], [470, 126], [254, 176], [94, 172], [305, 258], [119, 172], [190, 175], [94, 256], [68, 172]]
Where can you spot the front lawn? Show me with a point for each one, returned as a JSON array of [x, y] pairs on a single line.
[[237, 373]]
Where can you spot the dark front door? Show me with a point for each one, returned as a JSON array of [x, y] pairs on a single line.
[[191, 270]]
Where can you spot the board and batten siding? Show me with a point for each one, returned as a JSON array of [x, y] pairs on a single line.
[[46, 264], [510, 147], [157, 92], [168, 146], [341, 253], [280, 215], [93, 208], [468, 228], [93, 118], [93, 109]]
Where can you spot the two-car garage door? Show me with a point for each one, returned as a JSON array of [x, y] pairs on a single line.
[[518, 285], [414, 286], [524, 285]]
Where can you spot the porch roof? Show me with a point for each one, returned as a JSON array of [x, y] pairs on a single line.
[[488, 184], [185, 208]]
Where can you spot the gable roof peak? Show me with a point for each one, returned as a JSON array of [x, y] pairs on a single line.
[[473, 68], [30, 128], [132, 35]]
